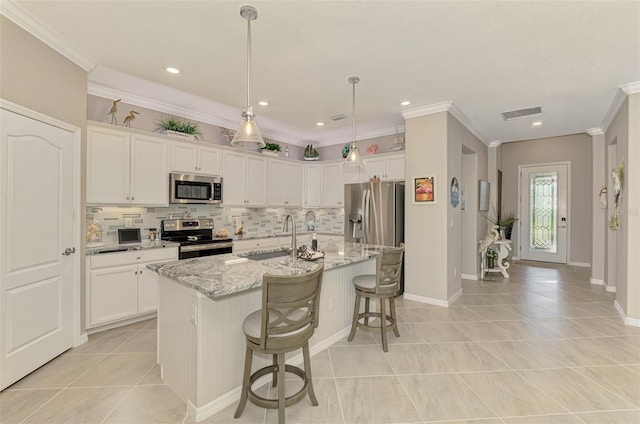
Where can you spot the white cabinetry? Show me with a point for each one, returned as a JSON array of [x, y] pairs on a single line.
[[285, 184], [191, 158], [119, 286], [332, 185], [245, 180], [388, 167], [126, 168], [312, 186]]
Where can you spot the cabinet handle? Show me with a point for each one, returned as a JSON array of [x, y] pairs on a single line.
[[136, 273], [139, 257], [140, 272], [132, 197], [127, 197]]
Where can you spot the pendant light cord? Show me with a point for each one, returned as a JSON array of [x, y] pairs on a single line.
[[248, 62], [353, 114]]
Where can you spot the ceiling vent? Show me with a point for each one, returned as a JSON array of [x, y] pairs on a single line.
[[338, 117], [522, 113]]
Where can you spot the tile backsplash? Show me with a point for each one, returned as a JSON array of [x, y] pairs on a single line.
[[263, 222]]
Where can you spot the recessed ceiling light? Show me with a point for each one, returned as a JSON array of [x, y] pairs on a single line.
[[405, 103], [320, 124], [536, 124], [172, 69], [263, 103]]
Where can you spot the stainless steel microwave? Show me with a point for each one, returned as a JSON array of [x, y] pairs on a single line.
[[187, 188]]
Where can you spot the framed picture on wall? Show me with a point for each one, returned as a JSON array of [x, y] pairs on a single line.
[[463, 203], [424, 190], [483, 200]]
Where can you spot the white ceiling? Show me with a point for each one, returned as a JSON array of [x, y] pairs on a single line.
[[485, 56]]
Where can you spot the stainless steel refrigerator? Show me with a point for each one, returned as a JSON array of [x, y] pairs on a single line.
[[374, 214]]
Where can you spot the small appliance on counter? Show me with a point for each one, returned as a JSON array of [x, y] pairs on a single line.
[[128, 235], [195, 237]]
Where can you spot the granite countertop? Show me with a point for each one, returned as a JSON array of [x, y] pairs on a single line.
[[221, 275], [301, 233], [119, 248]]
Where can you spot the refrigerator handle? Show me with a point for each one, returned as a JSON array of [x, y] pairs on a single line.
[[367, 215]]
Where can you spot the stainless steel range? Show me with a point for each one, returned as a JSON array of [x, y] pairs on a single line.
[[195, 237]]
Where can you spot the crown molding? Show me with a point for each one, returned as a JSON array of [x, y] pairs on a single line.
[[426, 110], [468, 123], [454, 110], [618, 99], [25, 20], [495, 143], [594, 131]]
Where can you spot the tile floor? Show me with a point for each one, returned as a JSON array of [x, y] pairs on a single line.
[[542, 347]]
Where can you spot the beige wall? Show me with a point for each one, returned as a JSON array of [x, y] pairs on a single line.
[[572, 148], [35, 76], [459, 140], [385, 143], [624, 133], [425, 225]]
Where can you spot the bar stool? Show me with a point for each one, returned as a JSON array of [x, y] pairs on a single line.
[[288, 318], [382, 285]]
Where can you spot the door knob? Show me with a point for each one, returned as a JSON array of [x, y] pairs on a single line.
[[68, 251]]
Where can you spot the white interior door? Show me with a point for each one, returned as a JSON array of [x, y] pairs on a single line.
[[36, 226], [544, 213]]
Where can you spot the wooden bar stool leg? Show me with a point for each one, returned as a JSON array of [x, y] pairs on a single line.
[[366, 311], [354, 323], [245, 383], [281, 393], [383, 324], [274, 380], [307, 371], [392, 305]]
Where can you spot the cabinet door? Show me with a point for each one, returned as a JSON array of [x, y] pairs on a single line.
[[352, 175], [107, 166], [374, 167], [278, 183], [395, 168], [147, 290], [149, 171], [113, 294], [209, 161], [332, 188], [256, 181], [184, 157], [294, 185], [312, 185], [233, 168]]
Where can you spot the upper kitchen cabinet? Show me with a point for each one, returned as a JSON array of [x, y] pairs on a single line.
[[125, 168], [195, 159], [245, 180], [312, 186], [385, 167], [332, 185], [285, 184]]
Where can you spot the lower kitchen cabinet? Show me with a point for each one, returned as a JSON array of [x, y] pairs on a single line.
[[119, 285]]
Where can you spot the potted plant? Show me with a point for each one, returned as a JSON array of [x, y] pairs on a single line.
[[504, 220], [173, 125], [492, 255], [271, 149]]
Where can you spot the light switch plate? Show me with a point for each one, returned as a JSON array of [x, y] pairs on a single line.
[[128, 222]]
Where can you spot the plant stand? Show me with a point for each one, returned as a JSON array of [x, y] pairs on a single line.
[[504, 246]]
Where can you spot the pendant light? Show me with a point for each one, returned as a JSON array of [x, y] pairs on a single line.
[[248, 134], [353, 158]]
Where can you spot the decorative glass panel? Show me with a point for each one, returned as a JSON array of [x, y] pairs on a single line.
[[543, 212]]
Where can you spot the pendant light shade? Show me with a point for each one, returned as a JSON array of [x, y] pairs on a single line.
[[248, 134], [353, 158]]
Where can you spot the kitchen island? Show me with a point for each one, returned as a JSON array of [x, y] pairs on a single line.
[[203, 301]]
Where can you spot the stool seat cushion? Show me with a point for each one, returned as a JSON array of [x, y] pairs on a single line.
[[367, 283], [251, 324]]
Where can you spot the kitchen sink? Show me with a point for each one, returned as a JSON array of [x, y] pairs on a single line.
[[265, 255]]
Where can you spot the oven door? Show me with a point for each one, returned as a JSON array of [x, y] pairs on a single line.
[[205, 249]]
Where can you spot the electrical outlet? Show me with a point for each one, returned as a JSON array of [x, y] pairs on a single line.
[[455, 272], [128, 222], [331, 303], [194, 315]]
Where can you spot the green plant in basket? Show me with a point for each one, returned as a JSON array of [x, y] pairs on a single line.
[[173, 123], [275, 147]]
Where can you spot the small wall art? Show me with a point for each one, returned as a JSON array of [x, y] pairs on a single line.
[[483, 196], [454, 193], [424, 190]]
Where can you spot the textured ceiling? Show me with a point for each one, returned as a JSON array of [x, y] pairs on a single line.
[[487, 57]]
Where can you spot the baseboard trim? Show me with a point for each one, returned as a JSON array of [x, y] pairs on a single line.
[[596, 282], [631, 322], [515, 258], [584, 264], [611, 289], [121, 323], [432, 301], [221, 402], [80, 339], [469, 277]]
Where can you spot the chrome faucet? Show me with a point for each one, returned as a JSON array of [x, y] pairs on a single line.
[[285, 228]]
